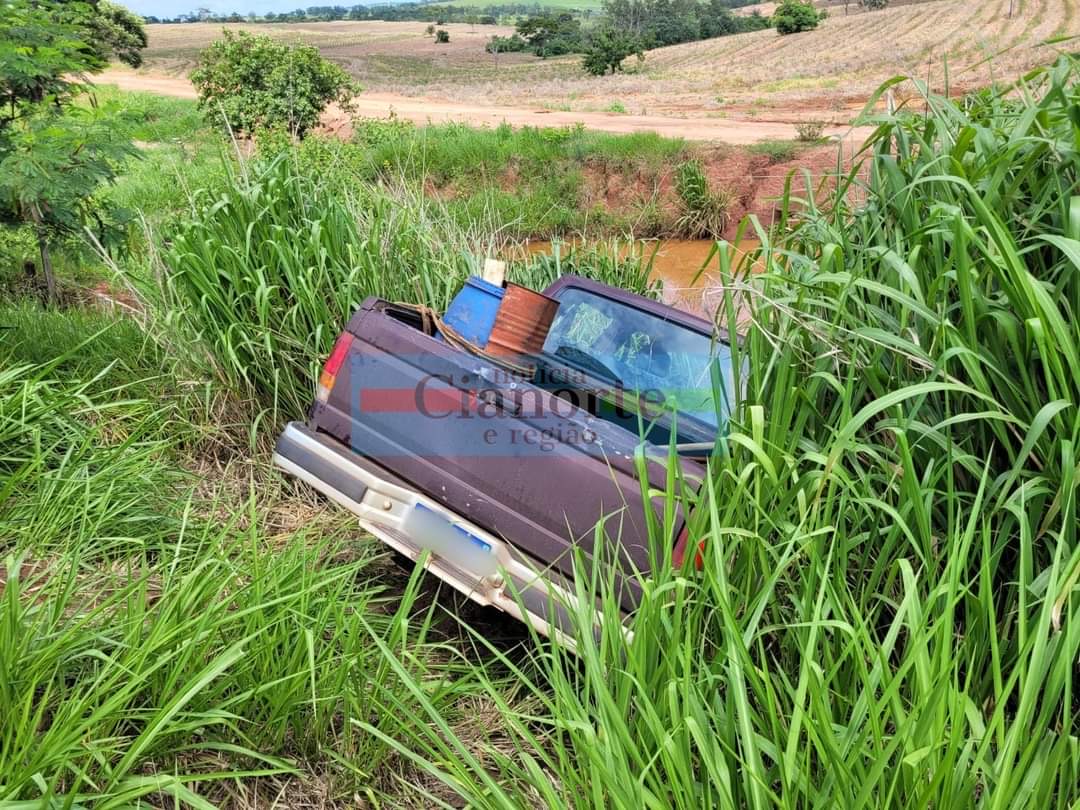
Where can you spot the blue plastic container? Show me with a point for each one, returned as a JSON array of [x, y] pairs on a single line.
[[473, 310]]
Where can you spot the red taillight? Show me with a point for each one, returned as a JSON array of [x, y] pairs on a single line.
[[678, 554], [333, 366]]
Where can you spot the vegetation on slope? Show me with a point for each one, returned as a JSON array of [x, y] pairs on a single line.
[[541, 183]]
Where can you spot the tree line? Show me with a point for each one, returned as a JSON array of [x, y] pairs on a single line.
[[397, 12]]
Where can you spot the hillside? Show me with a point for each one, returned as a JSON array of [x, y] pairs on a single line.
[[825, 73], [847, 52]]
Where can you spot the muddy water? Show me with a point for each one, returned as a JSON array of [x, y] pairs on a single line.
[[687, 268]]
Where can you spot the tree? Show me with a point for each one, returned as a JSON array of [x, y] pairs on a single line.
[[717, 21], [249, 82], [606, 50], [670, 22], [47, 48], [116, 32], [794, 16], [631, 16], [53, 155], [50, 168], [657, 23], [442, 36], [510, 44]]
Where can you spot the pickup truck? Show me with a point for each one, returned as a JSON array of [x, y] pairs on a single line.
[[500, 474]]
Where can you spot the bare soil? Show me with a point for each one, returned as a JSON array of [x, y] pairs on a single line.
[[423, 110]]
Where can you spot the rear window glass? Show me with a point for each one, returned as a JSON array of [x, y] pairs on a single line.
[[642, 352]]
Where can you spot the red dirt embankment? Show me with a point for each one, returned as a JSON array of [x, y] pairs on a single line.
[[755, 182]]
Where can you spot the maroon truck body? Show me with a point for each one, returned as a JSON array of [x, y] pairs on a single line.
[[520, 460]]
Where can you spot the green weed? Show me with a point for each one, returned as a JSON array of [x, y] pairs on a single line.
[[155, 118], [777, 151], [705, 211]]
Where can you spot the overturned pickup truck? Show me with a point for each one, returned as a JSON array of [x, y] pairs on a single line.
[[513, 430]]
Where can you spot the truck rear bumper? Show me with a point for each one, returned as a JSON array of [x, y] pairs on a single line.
[[485, 568]]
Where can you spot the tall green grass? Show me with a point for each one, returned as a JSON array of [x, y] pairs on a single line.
[[85, 344], [888, 608], [454, 152], [165, 644], [705, 211], [152, 117]]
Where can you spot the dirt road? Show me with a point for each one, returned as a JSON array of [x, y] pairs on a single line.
[[424, 110]]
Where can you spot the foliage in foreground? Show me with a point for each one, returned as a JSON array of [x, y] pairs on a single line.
[[54, 155], [158, 644]]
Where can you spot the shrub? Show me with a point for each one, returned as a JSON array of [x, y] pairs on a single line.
[[776, 151], [378, 131], [794, 16], [874, 4], [270, 269], [705, 212], [551, 34], [248, 82], [809, 131], [442, 36]]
